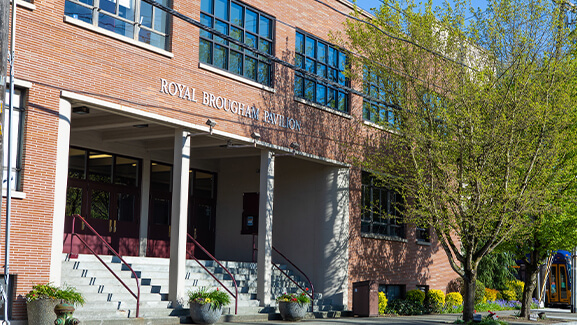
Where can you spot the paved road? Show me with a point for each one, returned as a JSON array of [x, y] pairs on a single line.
[[562, 316]]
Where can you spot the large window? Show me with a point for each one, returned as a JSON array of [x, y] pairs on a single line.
[[245, 24], [134, 19], [385, 99], [381, 209], [393, 291], [16, 141], [323, 60]]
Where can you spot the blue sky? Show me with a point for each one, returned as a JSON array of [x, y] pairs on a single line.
[[368, 4]]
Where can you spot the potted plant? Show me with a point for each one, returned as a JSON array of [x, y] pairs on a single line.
[[42, 299], [206, 306], [293, 307]]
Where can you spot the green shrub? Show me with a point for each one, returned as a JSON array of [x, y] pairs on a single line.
[[49, 291], [509, 295], [436, 300], [216, 298], [491, 294], [499, 295], [404, 307], [416, 296], [453, 299], [517, 287], [382, 303], [479, 292]]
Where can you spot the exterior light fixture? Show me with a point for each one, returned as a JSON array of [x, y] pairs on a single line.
[[256, 136], [295, 146], [81, 110], [211, 124]]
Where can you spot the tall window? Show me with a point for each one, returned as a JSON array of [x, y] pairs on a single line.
[[134, 19], [245, 24], [16, 141], [323, 60], [381, 209], [385, 99]]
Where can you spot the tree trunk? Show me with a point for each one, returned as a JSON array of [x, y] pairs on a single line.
[[531, 271], [469, 285]]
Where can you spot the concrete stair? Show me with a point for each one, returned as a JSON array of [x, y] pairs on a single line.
[[108, 300]]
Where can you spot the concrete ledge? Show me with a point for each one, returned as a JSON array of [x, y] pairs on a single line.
[[133, 321]]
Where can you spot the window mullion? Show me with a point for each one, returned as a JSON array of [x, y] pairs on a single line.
[[95, 12], [137, 4]]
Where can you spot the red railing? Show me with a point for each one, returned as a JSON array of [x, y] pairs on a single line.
[[311, 294], [137, 295], [235, 295]]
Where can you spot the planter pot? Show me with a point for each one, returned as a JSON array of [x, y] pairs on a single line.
[[292, 311], [204, 314], [41, 312]]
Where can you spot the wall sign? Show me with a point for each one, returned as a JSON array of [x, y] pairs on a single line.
[[228, 105]]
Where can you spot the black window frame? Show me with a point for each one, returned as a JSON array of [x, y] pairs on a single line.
[[373, 219], [402, 290], [423, 234], [141, 28], [333, 71], [385, 99], [260, 62]]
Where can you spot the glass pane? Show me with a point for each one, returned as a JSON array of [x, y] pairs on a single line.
[[299, 62], [299, 86], [250, 68], [222, 28], [366, 111], [78, 12], [206, 6], [161, 211], [205, 51], [332, 98], [126, 9], [203, 185], [250, 40], [299, 43], [236, 62], [236, 14], [265, 46], [126, 171], [322, 70], [263, 73], [237, 34], [76, 163], [310, 65], [322, 52], [126, 204], [391, 117], [100, 167], [73, 201], [220, 57], [100, 205], [332, 75], [309, 90], [115, 25], [145, 14], [160, 177], [161, 19], [310, 47], [332, 57], [265, 27], [342, 102], [207, 21], [108, 6], [251, 21], [158, 40], [342, 61], [321, 93], [221, 9]]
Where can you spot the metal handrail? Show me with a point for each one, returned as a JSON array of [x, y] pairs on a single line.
[[211, 274], [137, 295], [312, 293]]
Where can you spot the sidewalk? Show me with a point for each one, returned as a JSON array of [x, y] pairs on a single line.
[[554, 317]]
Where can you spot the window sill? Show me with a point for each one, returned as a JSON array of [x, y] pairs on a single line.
[[380, 127], [15, 194], [25, 4], [20, 83], [424, 243], [321, 107], [384, 237], [102, 31], [234, 77]]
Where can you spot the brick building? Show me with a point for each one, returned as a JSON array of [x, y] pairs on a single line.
[[152, 128]]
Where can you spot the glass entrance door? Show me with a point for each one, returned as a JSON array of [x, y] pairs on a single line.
[[202, 213]]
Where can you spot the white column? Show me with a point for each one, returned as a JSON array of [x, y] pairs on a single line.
[[144, 204], [60, 180], [265, 213], [179, 218]]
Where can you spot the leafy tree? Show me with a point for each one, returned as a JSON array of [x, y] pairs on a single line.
[[495, 269], [481, 116]]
